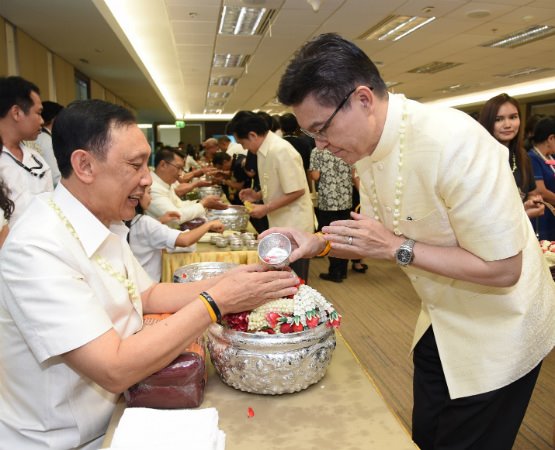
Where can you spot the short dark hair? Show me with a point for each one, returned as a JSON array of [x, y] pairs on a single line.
[[328, 67], [246, 121], [49, 111], [16, 91], [167, 154], [289, 123], [220, 158], [543, 129], [87, 125]]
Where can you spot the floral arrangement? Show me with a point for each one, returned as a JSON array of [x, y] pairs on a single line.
[[306, 309]]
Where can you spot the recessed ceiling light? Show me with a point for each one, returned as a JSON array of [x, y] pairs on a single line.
[[218, 94], [223, 81], [524, 72], [522, 37], [394, 27], [229, 60], [237, 20]]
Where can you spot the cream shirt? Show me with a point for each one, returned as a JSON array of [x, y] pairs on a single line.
[[165, 199], [281, 171], [54, 298], [23, 185], [44, 144], [459, 191]]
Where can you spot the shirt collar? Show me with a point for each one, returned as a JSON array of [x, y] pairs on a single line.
[[266, 144], [390, 134], [90, 231], [158, 180]]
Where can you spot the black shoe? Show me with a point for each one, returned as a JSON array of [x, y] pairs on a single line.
[[330, 277], [362, 269]]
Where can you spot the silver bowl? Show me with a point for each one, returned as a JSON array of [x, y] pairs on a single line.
[[235, 217], [200, 271], [205, 191], [274, 250], [270, 363]]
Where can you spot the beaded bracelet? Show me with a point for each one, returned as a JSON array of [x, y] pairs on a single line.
[[213, 305], [327, 248], [213, 317]]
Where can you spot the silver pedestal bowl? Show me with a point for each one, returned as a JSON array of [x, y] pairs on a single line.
[[271, 363]]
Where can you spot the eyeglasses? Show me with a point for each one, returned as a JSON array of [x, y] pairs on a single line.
[[31, 170], [179, 168], [321, 133]]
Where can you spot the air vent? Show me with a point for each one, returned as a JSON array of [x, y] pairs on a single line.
[[434, 67], [523, 37], [218, 94]]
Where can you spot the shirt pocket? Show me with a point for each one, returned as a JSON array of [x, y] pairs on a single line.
[[432, 227]]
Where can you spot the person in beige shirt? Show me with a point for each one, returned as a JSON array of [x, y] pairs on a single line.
[[439, 198], [283, 186]]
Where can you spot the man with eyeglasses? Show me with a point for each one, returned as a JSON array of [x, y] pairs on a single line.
[[439, 199], [24, 170], [165, 193]]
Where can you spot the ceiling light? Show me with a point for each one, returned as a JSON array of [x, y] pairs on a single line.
[[229, 60], [218, 94], [434, 67], [524, 72], [212, 111], [455, 88], [215, 104], [394, 27], [237, 20], [522, 37], [223, 81]]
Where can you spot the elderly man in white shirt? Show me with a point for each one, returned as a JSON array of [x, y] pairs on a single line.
[[72, 298], [438, 198], [168, 168], [24, 170]]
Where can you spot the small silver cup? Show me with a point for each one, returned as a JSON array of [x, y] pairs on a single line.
[[274, 250]]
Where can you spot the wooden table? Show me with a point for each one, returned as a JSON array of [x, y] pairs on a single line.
[[342, 411], [204, 253]]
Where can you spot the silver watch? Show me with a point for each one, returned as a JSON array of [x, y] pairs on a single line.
[[405, 254]]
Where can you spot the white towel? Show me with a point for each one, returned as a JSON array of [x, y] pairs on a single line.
[[168, 429]]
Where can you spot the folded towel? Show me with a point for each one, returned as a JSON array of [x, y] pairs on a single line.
[[145, 428]]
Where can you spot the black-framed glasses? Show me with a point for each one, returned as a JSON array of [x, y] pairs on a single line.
[[32, 170], [321, 133]]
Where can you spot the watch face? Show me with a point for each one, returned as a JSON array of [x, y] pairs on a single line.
[[404, 256]]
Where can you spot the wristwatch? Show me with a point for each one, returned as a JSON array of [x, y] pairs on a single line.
[[405, 254]]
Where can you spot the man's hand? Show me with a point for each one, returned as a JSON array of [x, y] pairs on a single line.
[[213, 202]]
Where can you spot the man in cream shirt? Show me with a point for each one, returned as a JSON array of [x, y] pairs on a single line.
[[284, 189], [439, 198], [168, 168]]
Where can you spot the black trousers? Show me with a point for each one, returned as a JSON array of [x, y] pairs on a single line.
[[487, 421]]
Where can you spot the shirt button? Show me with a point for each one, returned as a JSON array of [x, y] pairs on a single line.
[[388, 208], [380, 166]]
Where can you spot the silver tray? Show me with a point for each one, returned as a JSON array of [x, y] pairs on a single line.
[[200, 271]]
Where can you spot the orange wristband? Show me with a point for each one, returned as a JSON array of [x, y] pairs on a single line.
[[209, 308], [327, 248]]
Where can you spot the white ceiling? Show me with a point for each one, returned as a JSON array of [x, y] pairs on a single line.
[[184, 33]]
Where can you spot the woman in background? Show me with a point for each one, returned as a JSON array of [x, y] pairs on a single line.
[[501, 117], [543, 166]]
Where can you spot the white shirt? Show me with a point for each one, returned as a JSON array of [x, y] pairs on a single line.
[[458, 190], [22, 184], [54, 298], [44, 144], [281, 171], [165, 199], [147, 237], [190, 164]]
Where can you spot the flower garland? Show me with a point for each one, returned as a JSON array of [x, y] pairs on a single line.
[[399, 181], [102, 263], [306, 309]]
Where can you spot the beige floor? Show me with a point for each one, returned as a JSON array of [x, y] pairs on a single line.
[[379, 311]]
